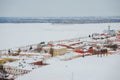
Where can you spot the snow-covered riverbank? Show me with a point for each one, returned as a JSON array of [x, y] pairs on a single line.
[[16, 35]]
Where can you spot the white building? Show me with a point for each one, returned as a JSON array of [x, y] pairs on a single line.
[[22, 66], [118, 35]]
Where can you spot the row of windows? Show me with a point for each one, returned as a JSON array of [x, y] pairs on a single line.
[[15, 71]]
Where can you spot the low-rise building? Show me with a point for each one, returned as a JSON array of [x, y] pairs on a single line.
[[118, 35], [22, 66], [109, 32], [16, 68], [58, 50], [28, 54], [46, 49]]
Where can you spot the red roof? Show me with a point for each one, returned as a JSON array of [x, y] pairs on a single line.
[[79, 51]]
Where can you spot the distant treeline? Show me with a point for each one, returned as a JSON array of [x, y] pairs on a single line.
[[68, 20]]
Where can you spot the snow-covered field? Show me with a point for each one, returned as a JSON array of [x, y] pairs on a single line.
[[17, 35], [88, 68]]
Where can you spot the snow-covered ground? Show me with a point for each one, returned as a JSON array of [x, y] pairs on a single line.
[[87, 68], [17, 35]]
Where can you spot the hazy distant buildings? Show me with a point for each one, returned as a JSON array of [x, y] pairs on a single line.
[[110, 32], [118, 35]]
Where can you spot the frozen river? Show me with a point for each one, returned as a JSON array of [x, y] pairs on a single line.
[[16, 35]]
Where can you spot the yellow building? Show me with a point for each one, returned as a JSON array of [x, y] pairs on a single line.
[[58, 50], [4, 60]]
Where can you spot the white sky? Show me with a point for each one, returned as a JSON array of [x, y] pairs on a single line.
[[58, 8]]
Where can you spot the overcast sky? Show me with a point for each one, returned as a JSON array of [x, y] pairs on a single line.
[[59, 8]]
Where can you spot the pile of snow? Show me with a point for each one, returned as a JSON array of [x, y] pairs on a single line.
[[87, 68]]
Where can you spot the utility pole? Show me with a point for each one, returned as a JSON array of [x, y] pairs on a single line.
[[108, 34], [72, 75], [109, 29]]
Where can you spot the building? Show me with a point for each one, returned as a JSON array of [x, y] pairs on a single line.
[[14, 70], [22, 66], [109, 32], [4, 60], [58, 50], [46, 49], [39, 48], [118, 35], [29, 54]]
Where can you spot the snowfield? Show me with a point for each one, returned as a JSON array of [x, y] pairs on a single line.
[[17, 35], [87, 68]]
